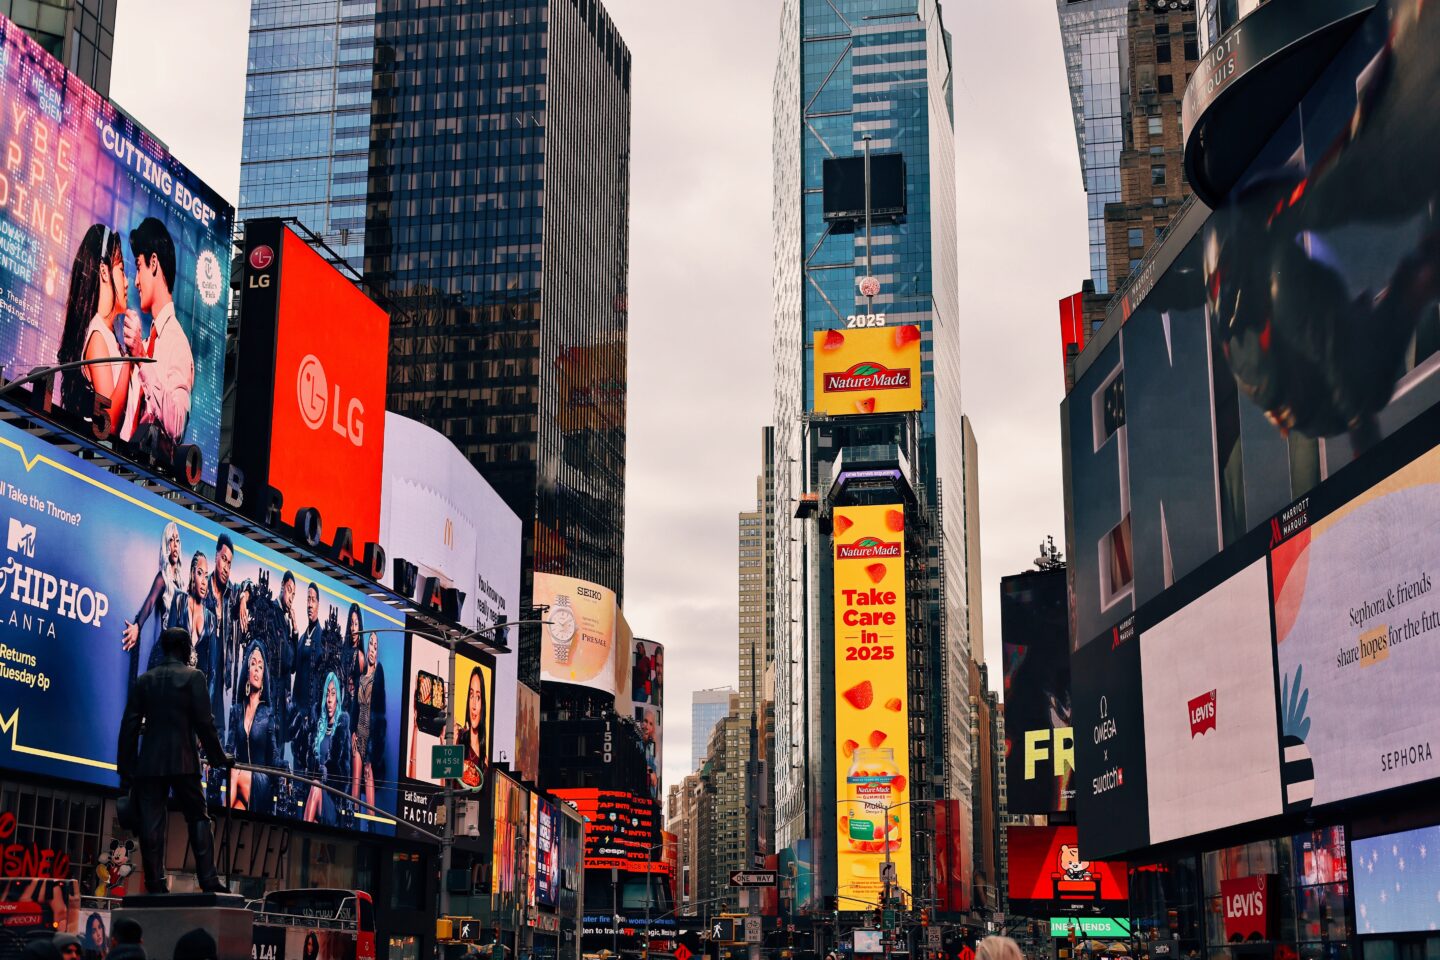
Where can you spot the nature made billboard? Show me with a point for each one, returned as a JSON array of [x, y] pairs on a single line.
[[872, 719], [109, 248], [867, 370]]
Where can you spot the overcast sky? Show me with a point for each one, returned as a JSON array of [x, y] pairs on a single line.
[[700, 353]]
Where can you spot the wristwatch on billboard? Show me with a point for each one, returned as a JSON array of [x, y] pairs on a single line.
[[562, 630]]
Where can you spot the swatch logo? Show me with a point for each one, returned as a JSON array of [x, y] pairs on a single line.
[[1202, 714]]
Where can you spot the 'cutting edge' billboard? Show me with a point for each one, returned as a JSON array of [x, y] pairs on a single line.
[[867, 370], [872, 721]]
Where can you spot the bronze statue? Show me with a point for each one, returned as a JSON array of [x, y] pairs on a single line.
[[171, 704]]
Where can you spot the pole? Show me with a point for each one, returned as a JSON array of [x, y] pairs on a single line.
[[648, 875], [614, 912], [40, 373], [447, 845], [885, 827], [869, 263]]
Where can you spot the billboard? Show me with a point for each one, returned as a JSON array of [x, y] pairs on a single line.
[[1354, 610], [1039, 738], [954, 856], [1048, 873], [1396, 879], [112, 248], [1212, 753], [511, 814], [472, 708], [872, 722], [647, 695], [621, 828], [867, 370], [1112, 810], [310, 388], [527, 731], [297, 664], [438, 513], [547, 853], [1295, 329], [578, 644]]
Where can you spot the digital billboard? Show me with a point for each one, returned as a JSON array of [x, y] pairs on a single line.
[[1048, 873], [310, 383], [547, 853], [472, 707], [647, 686], [304, 673], [1112, 810], [578, 643], [872, 721], [621, 828], [1212, 753], [511, 814], [527, 731], [867, 370], [439, 514], [1295, 329], [1397, 877], [1039, 737], [111, 248], [1355, 615]]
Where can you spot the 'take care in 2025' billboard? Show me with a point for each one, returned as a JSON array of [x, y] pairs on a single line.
[[109, 247]]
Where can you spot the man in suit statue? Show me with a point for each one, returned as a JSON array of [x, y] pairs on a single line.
[[171, 706]]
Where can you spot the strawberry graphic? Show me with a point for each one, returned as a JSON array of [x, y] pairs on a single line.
[[842, 523], [906, 335], [848, 747], [865, 406], [876, 572], [894, 705], [877, 737], [894, 520], [861, 696], [897, 783], [834, 340]]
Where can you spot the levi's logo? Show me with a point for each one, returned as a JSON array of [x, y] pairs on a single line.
[[866, 548], [867, 375], [1202, 714]]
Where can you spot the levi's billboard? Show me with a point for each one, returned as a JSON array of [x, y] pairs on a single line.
[[867, 370], [310, 397], [871, 717]]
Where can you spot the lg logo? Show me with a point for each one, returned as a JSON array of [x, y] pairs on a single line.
[[315, 396]]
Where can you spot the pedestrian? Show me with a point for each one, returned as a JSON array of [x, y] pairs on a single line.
[[126, 940], [998, 948], [69, 946], [196, 945], [41, 948]]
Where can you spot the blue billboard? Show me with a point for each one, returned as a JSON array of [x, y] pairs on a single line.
[[93, 569]]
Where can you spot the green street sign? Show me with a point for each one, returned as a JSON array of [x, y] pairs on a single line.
[[1087, 928], [447, 760], [888, 920]]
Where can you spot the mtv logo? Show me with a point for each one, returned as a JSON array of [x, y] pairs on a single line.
[[22, 538]]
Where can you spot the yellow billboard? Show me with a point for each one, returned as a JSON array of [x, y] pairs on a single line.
[[872, 719], [869, 370]]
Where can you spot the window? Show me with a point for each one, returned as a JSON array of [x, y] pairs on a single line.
[[1192, 50], [1161, 29], [1137, 238], [1162, 52], [1156, 125], [1166, 84], [1157, 175]]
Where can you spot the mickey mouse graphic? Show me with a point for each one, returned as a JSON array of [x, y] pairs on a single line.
[[113, 868]]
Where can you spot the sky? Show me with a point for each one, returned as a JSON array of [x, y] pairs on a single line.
[[700, 354]]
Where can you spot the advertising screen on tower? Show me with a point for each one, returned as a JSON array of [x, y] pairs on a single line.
[[621, 828], [303, 672], [872, 722], [867, 370], [473, 710], [1397, 877], [109, 247], [577, 645], [1039, 737], [310, 391], [1048, 873]]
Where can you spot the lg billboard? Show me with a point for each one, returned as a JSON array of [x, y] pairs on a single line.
[[310, 391]]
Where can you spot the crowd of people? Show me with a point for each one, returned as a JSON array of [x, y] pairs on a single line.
[[126, 941]]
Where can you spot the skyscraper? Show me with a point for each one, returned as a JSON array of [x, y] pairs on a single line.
[[78, 33], [707, 708], [852, 71], [307, 118], [1093, 35]]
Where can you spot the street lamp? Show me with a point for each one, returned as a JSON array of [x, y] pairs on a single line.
[[41, 373], [649, 876], [889, 870]]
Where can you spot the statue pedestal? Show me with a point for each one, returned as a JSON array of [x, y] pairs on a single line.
[[165, 918]]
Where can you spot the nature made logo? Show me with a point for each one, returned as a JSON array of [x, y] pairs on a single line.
[[1202, 714], [867, 375], [867, 548]]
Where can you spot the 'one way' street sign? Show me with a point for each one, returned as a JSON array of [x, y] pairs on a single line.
[[752, 878]]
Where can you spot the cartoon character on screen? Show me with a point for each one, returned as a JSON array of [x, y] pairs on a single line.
[[1072, 866], [113, 868]]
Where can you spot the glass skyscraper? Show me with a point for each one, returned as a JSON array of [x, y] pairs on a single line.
[[1093, 35], [707, 708], [473, 163], [848, 70], [307, 117]]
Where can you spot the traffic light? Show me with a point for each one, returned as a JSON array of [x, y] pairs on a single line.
[[925, 916]]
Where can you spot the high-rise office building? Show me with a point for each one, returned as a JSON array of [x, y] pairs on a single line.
[[707, 708], [852, 72], [1092, 33], [498, 219], [78, 33], [306, 141], [756, 555]]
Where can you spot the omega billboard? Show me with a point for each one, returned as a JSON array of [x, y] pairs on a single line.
[[310, 392]]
